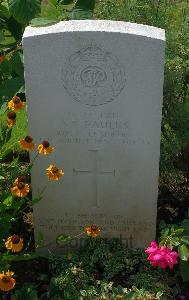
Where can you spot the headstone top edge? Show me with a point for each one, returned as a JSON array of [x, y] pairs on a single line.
[[97, 26]]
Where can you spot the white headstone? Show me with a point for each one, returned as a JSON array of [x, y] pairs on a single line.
[[94, 90]]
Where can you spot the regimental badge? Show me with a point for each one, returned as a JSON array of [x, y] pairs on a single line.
[[93, 76]]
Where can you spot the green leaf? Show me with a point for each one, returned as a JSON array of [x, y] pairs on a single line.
[[173, 242], [185, 239], [8, 42], [66, 2], [184, 269], [68, 5], [22, 89], [11, 86], [179, 231], [86, 4], [3, 108], [51, 12], [165, 232], [24, 10], [35, 200], [63, 238], [8, 201], [1, 36], [81, 14], [83, 9], [39, 240], [185, 225], [37, 22], [4, 12], [27, 291], [15, 28], [17, 204], [17, 64], [53, 2], [5, 67], [23, 257], [183, 252]]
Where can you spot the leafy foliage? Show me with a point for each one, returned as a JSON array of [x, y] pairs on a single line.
[[28, 291], [24, 10], [95, 272]]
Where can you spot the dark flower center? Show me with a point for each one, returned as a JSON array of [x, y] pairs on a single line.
[[16, 100], [55, 170], [45, 144], [6, 279], [28, 139], [21, 179], [21, 185], [11, 115], [15, 239], [94, 227]]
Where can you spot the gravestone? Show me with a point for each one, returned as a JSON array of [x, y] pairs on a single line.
[[94, 90]]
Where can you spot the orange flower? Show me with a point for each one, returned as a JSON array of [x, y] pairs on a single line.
[[20, 188], [11, 119], [14, 243], [2, 58], [54, 173], [44, 148], [15, 104], [7, 283], [92, 230], [27, 143], [20, 179]]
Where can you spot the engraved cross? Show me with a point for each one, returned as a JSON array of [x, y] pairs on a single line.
[[95, 174]]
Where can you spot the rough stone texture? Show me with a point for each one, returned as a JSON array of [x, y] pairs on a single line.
[[99, 26], [94, 89]]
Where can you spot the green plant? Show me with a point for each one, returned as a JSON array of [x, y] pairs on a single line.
[[95, 265], [101, 258], [178, 238], [141, 294], [156, 281], [87, 275], [27, 291]]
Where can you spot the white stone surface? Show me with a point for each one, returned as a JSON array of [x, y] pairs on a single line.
[[98, 25], [94, 89]]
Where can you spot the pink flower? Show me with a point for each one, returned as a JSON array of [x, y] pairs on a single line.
[[161, 256], [153, 247]]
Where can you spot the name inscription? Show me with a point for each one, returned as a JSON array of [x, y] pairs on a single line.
[[95, 129]]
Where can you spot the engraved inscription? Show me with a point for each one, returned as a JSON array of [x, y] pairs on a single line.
[[127, 230], [95, 129], [93, 76], [95, 174]]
